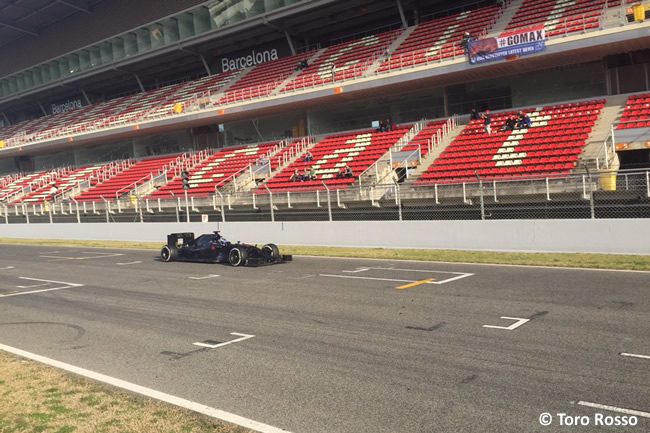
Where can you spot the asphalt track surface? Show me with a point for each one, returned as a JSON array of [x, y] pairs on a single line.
[[337, 347]]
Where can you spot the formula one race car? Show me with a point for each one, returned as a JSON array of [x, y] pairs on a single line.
[[214, 248]]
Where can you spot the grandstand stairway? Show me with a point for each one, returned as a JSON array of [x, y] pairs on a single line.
[[610, 113], [428, 158], [506, 15], [295, 73], [392, 47]]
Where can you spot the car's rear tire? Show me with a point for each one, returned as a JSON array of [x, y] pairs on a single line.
[[169, 253], [238, 256], [272, 250]]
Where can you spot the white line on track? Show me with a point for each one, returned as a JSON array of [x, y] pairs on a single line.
[[129, 263], [615, 409], [632, 355], [360, 259], [369, 278], [65, 286], [204, 278], [237, 340], [148, 392], [7, 267]]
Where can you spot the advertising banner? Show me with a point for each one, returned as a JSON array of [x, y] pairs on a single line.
[[512, 43]]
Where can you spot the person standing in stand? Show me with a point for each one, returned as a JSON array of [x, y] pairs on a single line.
[[487, 117]]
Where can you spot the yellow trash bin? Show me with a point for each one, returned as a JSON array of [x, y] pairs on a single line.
[[639, 12], [608, 180], [178, 107], [133, 199]]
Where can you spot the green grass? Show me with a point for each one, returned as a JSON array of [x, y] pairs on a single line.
[[578, 260]]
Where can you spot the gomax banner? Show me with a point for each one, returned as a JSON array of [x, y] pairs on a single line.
[[252, 57], [513, 43], [65, 105]]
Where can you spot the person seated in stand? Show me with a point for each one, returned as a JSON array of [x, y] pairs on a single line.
[[308, 157], [312, 173], [296, 176], [305, 175], [347, 171], [263, 160], [341, 173], [524, 120], [382, 126], [509, 125], [389, 126], [473, 115]]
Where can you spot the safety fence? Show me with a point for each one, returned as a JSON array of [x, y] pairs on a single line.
[[588, 195]]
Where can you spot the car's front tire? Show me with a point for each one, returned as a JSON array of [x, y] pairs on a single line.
[[169, 253], [237, 256], [272, 250]]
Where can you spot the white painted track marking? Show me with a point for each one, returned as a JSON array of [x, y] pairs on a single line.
[[96, 255], [632, 355], [615, 409], [478, 264], [204, 278], [517, 324], [129, 263], [65, 286], [356, 271], [151, 393], [369, 278], [7, 267], [237, 340]]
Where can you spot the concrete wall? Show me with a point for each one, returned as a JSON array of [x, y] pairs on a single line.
[[590, 236]]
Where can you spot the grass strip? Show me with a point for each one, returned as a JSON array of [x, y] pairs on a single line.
[[576, 260], [40, 398]]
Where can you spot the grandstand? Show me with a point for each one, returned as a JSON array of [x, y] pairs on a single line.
[[211, 91]]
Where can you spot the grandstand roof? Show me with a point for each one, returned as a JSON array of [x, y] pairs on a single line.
[[19, 18]]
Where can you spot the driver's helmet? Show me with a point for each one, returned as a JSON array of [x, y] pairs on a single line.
[[223, 241]]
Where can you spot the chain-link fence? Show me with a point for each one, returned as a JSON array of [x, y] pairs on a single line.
[[604, 194]]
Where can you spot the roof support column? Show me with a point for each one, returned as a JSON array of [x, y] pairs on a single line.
[[42, 109], [139, 82], [83, 92], [405, 23], [6, 119], [290, 42], [205, 64]]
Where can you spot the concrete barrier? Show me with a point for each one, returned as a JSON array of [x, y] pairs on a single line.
[[620, 236]]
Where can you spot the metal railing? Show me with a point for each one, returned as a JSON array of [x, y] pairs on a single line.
[[586, 195]]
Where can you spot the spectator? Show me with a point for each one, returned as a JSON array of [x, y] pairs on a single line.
[[387, 53], [488, 120], [305, 175], [524, 120], [333, 69], [341, 173], [53, 191], [308, 157], [302, 65], [382, 126], [263, 160], [312, 173], [389, 126], [347, 171], [473, 115], [296, 177], [464, 42], [510, 124]]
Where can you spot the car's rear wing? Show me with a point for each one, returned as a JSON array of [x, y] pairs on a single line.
[[179, 239]]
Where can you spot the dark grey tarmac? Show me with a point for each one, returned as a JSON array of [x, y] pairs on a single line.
[[338, 348]]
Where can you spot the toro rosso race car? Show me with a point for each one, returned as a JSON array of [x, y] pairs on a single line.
[[214, 248]]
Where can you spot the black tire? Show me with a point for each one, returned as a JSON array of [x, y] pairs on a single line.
[[272, 250], [169, 253], [238, 256]]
